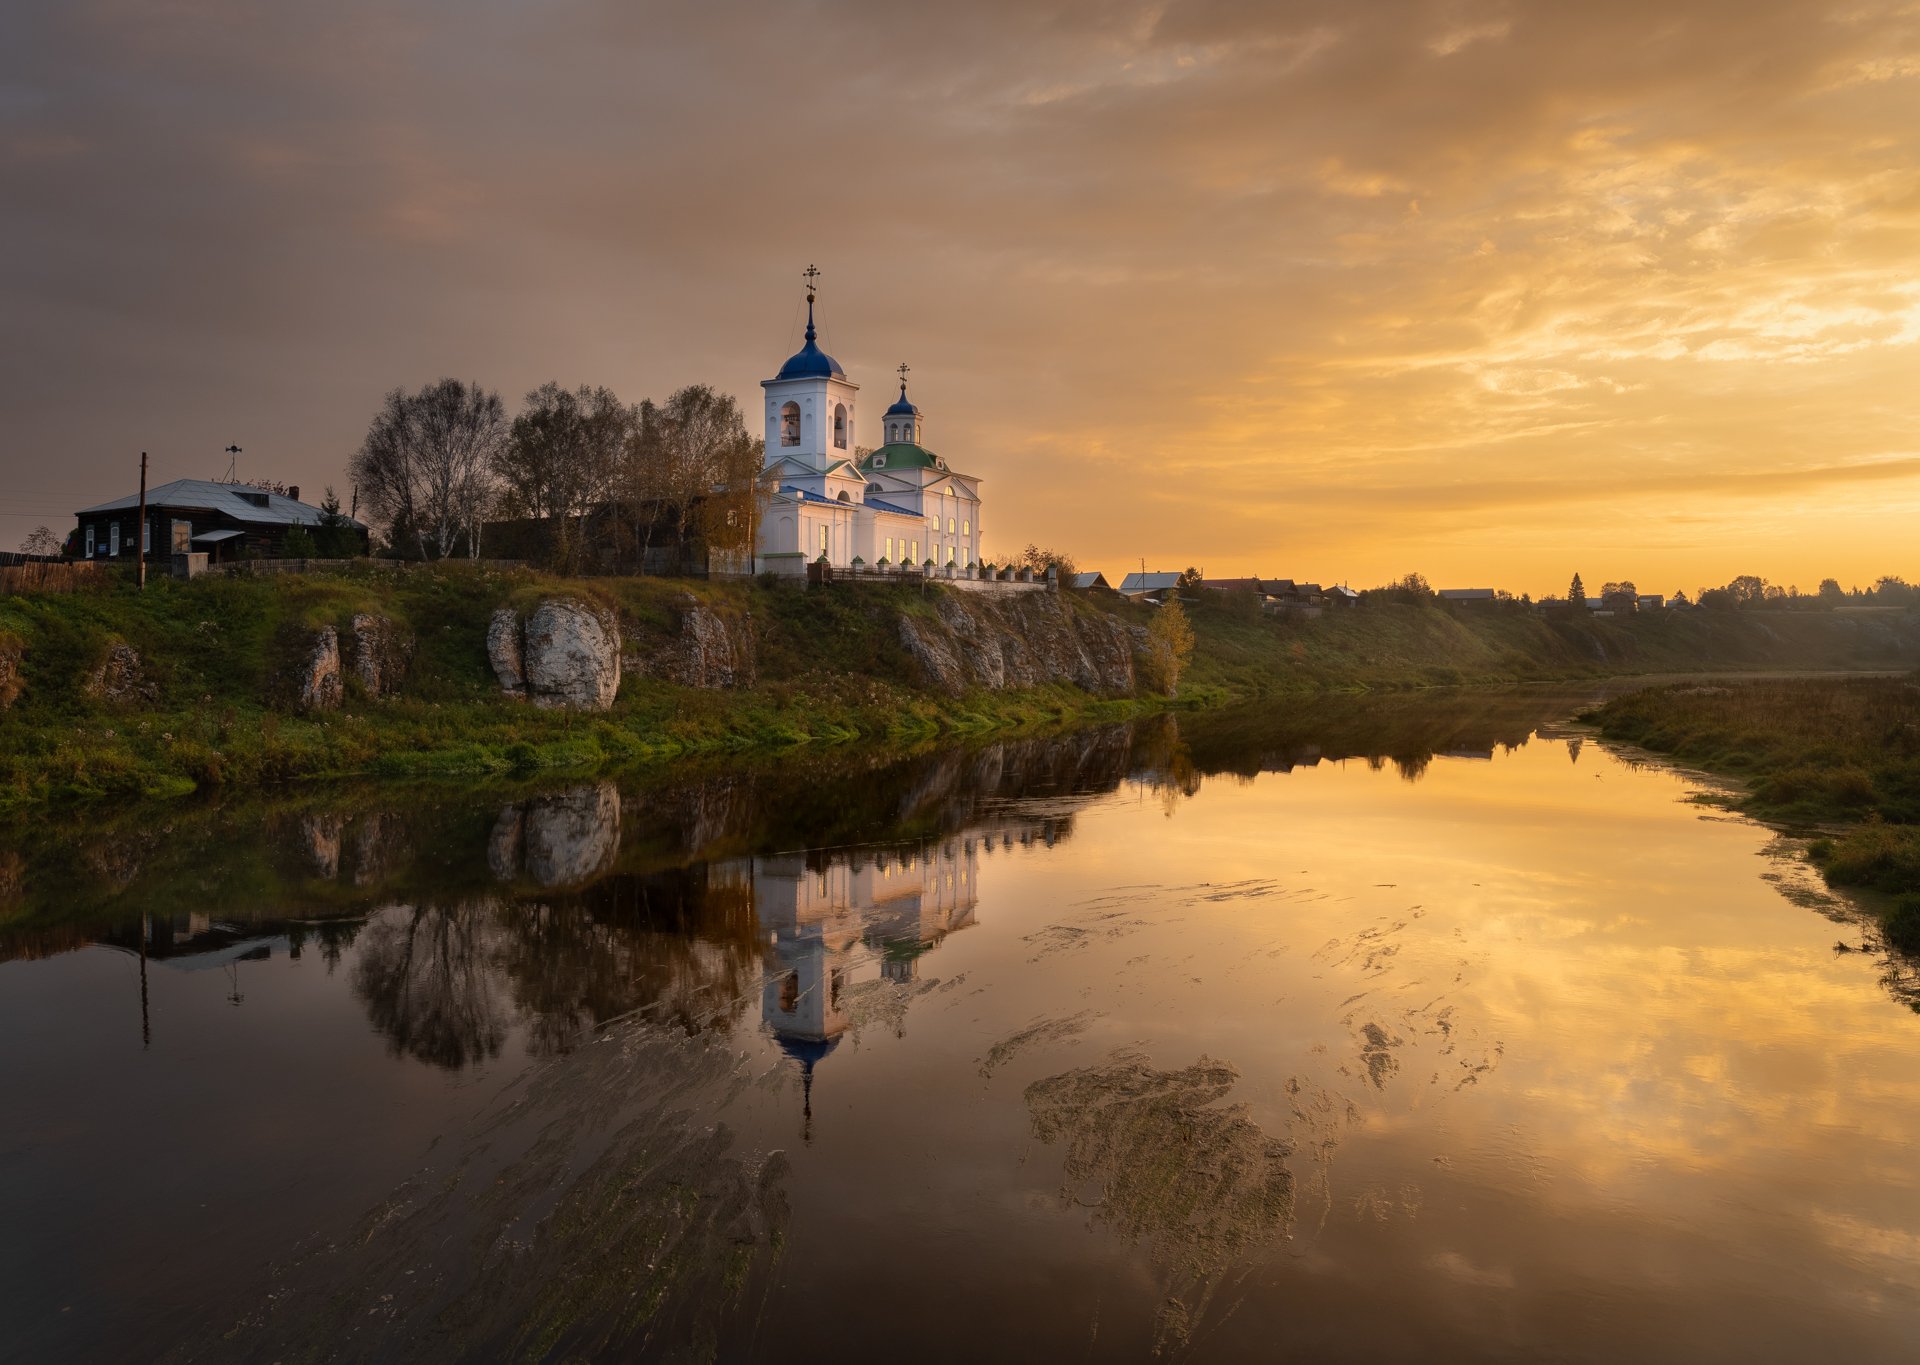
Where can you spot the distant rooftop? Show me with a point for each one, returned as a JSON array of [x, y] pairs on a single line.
[[242, 502]]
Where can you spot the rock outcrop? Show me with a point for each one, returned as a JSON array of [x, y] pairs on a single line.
[[710, 649], [565, 654], [121, 677], [503, 651], [379, 653], [11, 654], [999, 643], [316, 683]]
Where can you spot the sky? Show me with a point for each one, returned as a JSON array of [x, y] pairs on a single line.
[[1491, 290]]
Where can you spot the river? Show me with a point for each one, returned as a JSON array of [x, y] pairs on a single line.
[[1408, 1028]]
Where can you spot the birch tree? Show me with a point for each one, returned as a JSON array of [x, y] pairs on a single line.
[[427, 466]]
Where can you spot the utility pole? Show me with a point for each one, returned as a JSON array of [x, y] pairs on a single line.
[[140, 535]]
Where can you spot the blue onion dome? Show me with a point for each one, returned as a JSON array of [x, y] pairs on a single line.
[[903, 408], [810, 362]]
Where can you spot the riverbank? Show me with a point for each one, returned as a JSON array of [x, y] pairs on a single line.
[[1835, 757], [116, 694]]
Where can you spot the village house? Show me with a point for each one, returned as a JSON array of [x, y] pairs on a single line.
[[1138, 586], [225, 521]]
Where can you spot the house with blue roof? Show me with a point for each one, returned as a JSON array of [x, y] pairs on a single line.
[[899, 504]]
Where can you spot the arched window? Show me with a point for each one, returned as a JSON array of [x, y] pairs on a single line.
[[966, 528], [844, 497], [823, 542], [790, 424], [840, 425]]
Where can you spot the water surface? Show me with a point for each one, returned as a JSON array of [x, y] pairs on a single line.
[[1421, 1027]]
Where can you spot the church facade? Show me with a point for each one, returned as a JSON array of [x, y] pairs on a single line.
[[897, 506]]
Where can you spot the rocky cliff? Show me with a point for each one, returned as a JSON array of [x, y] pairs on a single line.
[[1029, 640]]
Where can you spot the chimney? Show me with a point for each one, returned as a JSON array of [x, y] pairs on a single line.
[[293, 491]]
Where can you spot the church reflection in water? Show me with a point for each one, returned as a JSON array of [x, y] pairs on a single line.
[[831, 923]]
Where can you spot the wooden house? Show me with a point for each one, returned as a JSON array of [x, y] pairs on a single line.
[[225, 521]]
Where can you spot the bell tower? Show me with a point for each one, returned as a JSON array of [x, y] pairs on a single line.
[[810, 402]]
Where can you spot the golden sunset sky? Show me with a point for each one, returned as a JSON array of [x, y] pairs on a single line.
[[1491, 291]]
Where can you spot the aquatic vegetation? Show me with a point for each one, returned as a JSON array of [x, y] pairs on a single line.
[[590, 1218], [1160, 1160]]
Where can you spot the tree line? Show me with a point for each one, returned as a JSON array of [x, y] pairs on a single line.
[[439, 465]]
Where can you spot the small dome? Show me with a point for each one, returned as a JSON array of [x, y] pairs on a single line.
[[903, 408]]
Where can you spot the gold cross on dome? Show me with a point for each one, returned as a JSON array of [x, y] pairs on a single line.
[[811, 274], [903, 374]]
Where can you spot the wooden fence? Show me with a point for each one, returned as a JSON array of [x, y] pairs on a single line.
[[51, 576]]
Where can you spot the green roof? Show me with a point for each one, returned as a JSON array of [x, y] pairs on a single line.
[[902, 455]]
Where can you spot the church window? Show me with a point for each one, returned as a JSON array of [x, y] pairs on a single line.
[[966, 528], [823, 540], [889, 548], [840, 425], [790, 992], [880, 462], [949, 525], [844, 497], [916, 552], [790, 424]]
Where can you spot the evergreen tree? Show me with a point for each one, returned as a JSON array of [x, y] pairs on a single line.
[[1577, 594]]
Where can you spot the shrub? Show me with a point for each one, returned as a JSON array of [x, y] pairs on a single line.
[[1902, 925], [1882, 856]]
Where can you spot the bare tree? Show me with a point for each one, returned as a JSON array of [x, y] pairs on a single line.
[[562, 459], [427, 465], [40, 541], [693, 452], [564, 451]]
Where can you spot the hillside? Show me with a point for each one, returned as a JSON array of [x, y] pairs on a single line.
[[190, 685]]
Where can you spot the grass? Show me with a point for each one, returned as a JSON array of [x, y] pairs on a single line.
[[831, 671], [1840, 756]]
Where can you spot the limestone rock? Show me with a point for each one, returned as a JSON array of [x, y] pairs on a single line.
[[571, 654], [566, 654], [317, 684], [503, 651], [380, 652], [10, 682], [1028, 641], [121, 677], [709, 650]]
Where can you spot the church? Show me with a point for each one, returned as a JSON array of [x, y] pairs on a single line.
[[898, 506]]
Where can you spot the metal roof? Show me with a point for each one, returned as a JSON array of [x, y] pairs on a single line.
[[236, 500], [1148, 582], [219, 535]]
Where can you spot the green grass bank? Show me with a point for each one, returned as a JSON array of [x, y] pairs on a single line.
[[1836, 757], [829, 667]]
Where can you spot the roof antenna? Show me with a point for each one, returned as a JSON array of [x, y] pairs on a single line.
[[233, 464]]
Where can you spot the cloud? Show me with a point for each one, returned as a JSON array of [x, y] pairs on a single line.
[[1238, 258]]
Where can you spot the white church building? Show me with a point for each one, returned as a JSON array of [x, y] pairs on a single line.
[[897, 506]]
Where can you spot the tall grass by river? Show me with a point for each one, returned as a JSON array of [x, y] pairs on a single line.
[[1837, 756]]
